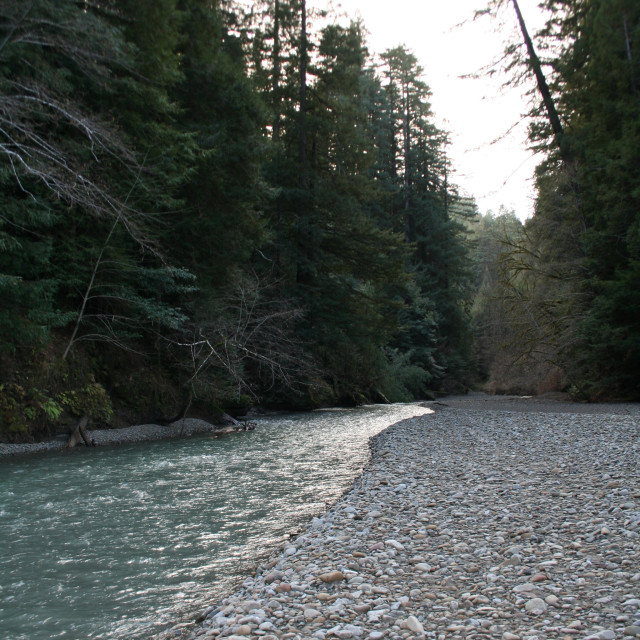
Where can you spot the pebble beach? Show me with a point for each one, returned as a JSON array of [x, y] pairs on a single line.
[[504, 519]]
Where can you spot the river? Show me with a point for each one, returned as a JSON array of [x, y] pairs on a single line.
[[123, 542]]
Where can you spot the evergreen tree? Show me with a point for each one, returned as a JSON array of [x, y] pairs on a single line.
[[583, 235], [220, 223], [600, 85], [66, 160], [414, 169]]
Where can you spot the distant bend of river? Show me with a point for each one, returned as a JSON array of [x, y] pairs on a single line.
[[123, 542]]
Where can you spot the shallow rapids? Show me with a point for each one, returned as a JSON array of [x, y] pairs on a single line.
[[122, 542]]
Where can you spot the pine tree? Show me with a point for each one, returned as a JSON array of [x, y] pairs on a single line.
[[414, 169]]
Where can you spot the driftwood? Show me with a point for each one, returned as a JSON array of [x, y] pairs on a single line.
[[79, 434], [228, 420], [230, 425]]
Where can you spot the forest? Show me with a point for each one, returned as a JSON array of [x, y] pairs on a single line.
[[209, 205]]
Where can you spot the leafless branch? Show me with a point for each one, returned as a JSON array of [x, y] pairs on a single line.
[[248, 334]]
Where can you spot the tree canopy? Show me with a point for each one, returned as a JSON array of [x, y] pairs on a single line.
[[211, 204]]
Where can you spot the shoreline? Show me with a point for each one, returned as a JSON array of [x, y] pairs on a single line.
[[125, 435], [472, 522], [479, 401]]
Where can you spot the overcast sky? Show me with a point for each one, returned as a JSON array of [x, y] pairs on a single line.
[[475, 111]]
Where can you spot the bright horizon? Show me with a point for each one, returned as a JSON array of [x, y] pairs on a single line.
[[477, 112]]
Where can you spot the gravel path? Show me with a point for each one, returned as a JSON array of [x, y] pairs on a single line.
[[487, 519]]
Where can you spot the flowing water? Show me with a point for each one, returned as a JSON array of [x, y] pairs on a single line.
[[123, 542]]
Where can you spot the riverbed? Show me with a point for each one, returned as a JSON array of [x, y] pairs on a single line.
[[511, 518], [121, 542]]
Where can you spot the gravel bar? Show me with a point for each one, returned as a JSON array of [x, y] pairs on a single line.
[[126, 435], [507, 519]]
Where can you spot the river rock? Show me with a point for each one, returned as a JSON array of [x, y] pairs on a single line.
[[412, 624], [332, 576], [536, 606], [310, 614], [435, 539], [272, 576]]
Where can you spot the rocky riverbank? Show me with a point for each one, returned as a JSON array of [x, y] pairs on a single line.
[[127, 435], [477, 521]]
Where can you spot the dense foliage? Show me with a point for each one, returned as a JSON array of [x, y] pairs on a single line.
[[207, 205], [569, 297]]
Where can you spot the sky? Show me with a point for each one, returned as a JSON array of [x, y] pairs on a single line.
[[449, 45]]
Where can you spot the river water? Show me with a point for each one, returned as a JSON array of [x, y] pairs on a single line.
[[123, 542]]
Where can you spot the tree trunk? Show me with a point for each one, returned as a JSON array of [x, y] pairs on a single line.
[[303, 95], [181, 413], [276, 71], [409, 221], [543, 87], [627, 42]]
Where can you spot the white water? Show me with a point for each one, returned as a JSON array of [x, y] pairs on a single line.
[[122, 542]]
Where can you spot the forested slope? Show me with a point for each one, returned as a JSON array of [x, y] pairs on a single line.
[[567, 282], [209, 205]]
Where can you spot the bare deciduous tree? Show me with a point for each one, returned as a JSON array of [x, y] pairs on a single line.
[[248, 332], [47, 136]]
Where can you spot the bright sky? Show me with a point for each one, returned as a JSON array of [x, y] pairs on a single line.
[[475, 111]]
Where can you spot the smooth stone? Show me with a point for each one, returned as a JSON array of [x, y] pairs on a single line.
[[354, 630], [395, 544], [412, 624], [536, 606], [272, 576], [376, 614], [632, 630], [332, 576], [283, 588], [310, 614], [524, 588], [362, 608], [602, 635], [510, 636]]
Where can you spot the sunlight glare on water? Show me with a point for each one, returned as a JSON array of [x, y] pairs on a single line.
[[122, 542]]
